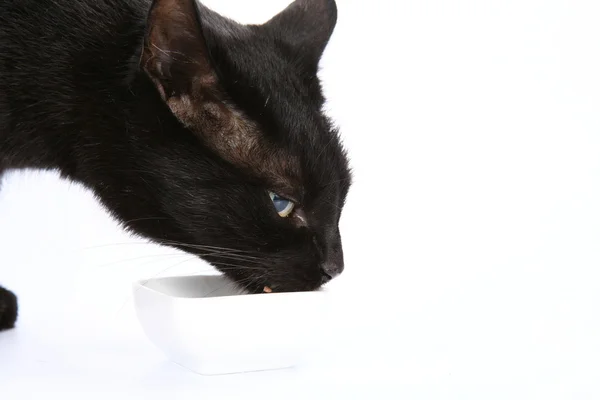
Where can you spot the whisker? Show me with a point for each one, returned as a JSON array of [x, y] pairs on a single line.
[[242, 282], [234, 256], [219, 288], [174, 243], [205, 247], [140, 258], [207, 257], [241, 267], [117, 244], [145, 219]]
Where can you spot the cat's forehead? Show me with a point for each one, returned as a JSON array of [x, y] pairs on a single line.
[[282, 103], [309, 156], [278, 103]]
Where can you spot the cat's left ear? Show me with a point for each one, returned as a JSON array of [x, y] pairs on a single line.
[[305, 27], [181, 36], [175, 55]]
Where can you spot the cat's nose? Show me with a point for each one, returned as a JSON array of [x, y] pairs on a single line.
[[330, 270]]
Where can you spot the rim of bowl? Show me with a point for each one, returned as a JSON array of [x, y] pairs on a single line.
[[142, 284]]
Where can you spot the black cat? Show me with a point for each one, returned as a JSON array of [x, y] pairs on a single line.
[[192, 130]]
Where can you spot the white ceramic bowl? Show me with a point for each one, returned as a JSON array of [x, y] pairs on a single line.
[[205, 324]]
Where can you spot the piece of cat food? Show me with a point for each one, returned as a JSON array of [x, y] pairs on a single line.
[[267, 289]]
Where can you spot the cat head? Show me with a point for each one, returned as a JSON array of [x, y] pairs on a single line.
[[259, 178]]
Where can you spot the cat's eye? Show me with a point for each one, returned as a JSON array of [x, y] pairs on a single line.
[[283, 206]]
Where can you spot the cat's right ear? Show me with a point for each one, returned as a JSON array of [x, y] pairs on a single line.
[[175, 55], [305, 26]]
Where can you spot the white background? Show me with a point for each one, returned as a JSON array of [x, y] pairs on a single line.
[[472, 234]]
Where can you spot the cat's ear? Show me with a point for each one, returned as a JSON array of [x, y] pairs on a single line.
[[175, 55], [305, 26], [177, 59]]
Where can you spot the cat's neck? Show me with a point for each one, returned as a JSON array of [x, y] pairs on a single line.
[[81, 96]]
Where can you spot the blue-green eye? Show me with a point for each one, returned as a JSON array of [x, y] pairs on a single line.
[[283, 206]]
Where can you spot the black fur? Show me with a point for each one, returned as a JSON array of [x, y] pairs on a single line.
[[74, 96], [8, 309]]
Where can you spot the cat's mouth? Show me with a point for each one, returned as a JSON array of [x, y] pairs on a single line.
[[261, 288], [258, 289], [276, 279]]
